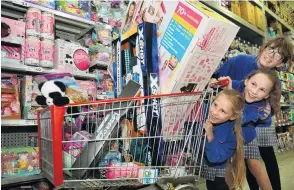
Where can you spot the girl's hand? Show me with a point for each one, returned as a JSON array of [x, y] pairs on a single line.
[[209, 130], [213, 83], [229, 86]]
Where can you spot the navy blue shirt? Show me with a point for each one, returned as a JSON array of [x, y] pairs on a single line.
[[223, 145], [251, 113], [237, 68]]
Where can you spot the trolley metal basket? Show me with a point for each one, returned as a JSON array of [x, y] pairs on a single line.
[[124, 142]]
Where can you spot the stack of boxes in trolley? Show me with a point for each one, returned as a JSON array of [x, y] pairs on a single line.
[[192, 41]]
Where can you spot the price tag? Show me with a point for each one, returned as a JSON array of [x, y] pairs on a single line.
[[31, 122], [34, 69], [102, 97]]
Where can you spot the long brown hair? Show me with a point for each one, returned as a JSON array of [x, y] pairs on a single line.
[[275, 93], [284, 46], [238, 163]]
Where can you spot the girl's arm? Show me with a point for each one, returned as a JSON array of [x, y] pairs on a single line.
[[217, 151]]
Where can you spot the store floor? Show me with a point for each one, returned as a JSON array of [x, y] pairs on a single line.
[[286, 165]]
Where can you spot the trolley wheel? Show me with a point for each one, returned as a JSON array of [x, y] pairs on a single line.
[[186, 187]]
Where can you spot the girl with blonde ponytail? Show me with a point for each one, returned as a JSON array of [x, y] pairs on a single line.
[[224, 140]]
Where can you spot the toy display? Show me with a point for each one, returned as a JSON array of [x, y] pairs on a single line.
[[46, 53], [70, 57], [104, 84], [33, 19], [10, 104], [13, 41], [79, 8], [32, 50], [10, 54], [21, 161], [46, 3], [89, 88], [12, 31], [47, 26]]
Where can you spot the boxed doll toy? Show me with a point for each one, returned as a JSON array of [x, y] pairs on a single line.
[[10, 106], [13, 40], [21, 161], [79, 8], [45, 3], [70, 57], [187, 64], [89, 88]]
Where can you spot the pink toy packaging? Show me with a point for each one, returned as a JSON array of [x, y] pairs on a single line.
[[47, 26], [89, 88], [75, 148], [28, 95], [32, 49], [70, 57], [12, 31], [33, 18], [10, 54], [20, 161], [104, 84], [13, 34], [122, 170], [46, 53]]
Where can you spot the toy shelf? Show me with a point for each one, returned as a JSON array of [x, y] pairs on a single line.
[[18, 122], [21, 68], [285, 25], [23, 179]]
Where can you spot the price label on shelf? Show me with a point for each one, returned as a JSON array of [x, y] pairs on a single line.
[[31, 122], [34, 69], [102, 97]]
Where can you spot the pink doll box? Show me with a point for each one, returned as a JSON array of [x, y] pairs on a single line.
[[75, 148], [28, 94], [13, 31], [20, 161], [70, 57], [89, 88]]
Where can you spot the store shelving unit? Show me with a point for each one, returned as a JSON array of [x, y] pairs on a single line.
[[247, 30], [18, 122], [284, 24], [20, 68], [23, 179]]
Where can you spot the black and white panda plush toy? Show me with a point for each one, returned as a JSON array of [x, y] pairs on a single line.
[[53, 93]]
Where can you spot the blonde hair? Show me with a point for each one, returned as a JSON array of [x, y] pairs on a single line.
[[275, 93], [237, 162]]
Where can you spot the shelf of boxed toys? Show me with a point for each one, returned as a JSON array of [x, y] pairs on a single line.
[[23, 179], [18, 122], [21, 68], [287, 26], [286, 105], [235, 18], [63, 21], [285, 124]]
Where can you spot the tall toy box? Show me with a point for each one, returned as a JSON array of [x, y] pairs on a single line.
[[192, 43]]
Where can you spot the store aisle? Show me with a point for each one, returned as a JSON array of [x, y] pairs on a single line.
[[286, 165]]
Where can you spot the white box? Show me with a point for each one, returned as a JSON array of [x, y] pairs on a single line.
[[193, 41], [70, 57]]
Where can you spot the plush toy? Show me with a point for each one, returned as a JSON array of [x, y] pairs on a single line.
[[53, 93]]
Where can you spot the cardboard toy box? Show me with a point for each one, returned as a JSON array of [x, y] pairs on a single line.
[[235, 7], [247, 11], [259, 18], [192, 43]]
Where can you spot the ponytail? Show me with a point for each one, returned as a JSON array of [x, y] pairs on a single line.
[[238, 163]]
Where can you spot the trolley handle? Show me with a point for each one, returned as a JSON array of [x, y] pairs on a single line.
[[220, 83]]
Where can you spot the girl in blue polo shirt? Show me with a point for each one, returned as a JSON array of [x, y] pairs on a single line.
[[273, 54], [260, 87], [224, 140]]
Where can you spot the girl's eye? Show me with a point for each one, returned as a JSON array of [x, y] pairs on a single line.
[[263, 90], [253, 84], [223, 111]]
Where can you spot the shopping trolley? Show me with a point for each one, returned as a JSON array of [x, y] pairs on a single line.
[[106, 144]]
